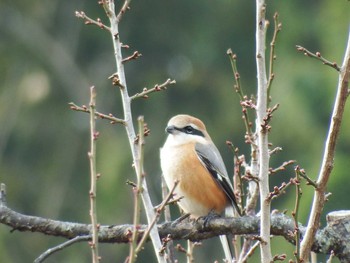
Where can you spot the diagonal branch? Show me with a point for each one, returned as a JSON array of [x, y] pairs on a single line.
[[62, 246], [157, 87], [123, 10], [90, 21], [129, 127], [318, 56], [328, 157]]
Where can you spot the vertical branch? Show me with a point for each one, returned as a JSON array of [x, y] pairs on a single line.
[[295, 213], [276, 30], [167, 217], [238, 88], [126, 101], [328, 156], [262, 132], [137, 192], [93, 176], [189, 252], [253, 192]]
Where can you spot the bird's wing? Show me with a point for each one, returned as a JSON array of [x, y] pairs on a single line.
[[210, 157]]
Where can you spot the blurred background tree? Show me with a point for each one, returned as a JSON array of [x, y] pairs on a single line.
[[49, 58]]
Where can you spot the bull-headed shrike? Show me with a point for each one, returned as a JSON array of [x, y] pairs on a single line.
[[190, 157]]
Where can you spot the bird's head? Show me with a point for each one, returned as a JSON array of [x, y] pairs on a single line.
[[187, 129]]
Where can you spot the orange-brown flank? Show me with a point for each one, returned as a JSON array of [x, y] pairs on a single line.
[[197, 182]]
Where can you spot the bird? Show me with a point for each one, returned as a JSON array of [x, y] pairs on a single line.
[[190, 157]]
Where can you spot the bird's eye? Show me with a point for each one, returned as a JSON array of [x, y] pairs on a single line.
[[189, 129]]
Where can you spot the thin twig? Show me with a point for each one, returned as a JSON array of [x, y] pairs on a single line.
[[282, 167], [125, 7], [238, 88], [295, 213], [275, 150], [105, 4], [68, 243], [302, 173], [93, 177], [277, 191], [156, 218], [113, 120], [250, 252], [172, 201], [277, 29], [250, 138], [267, 119], [135, 55], [116, 80], [137, 192], [168, 242], [328, 156], [318, 56], [157, 87], [90, 21], [237, 77], [237, 179]]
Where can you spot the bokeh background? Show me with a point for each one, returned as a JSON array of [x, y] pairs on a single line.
[[49, 58]]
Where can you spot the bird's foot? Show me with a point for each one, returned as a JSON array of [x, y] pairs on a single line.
[[212, 214]]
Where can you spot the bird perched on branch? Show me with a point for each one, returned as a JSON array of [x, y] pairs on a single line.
[[190, 156]]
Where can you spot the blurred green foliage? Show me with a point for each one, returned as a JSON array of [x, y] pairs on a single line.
[[48, 58]]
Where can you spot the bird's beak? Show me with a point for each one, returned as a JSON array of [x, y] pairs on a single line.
[[170, 129]]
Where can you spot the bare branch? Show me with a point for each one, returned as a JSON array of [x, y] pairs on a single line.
[[263, 152], [266, 120], [128, 123], [125, 7], [277, 191], [113, 120], [159, 210], [282, 167], [135, 55], [93, 177], [62, 246], [281, 225], [238, 88], [277, 29], [295, 213], [116, 80], [309, 181], [250, 252], [157, 87], [137, 192], [328, 157], [90, 21], [318, 56]]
